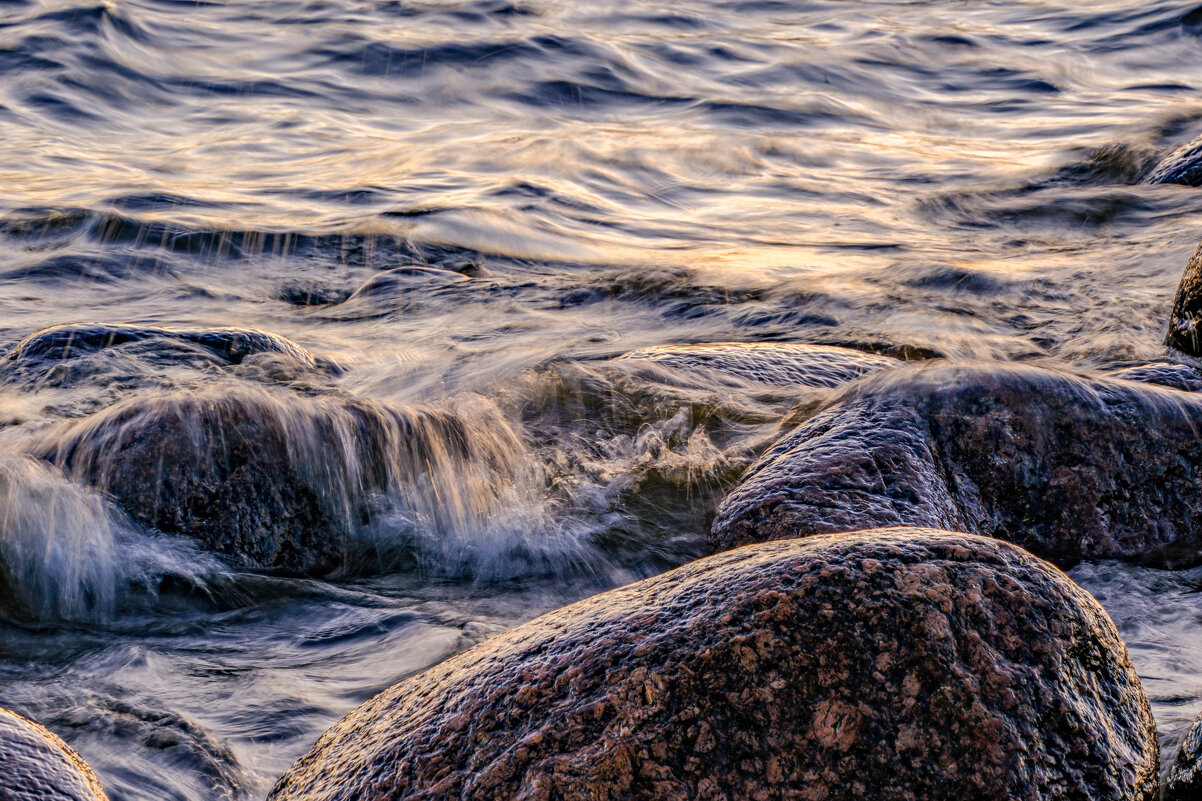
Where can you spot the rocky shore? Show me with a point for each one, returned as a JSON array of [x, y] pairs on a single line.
[[875, 618]]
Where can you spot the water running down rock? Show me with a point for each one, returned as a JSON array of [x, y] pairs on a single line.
[[277, 481]]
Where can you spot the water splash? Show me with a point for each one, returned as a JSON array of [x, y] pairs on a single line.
[[58, 546], [67, 554], [326, 484]]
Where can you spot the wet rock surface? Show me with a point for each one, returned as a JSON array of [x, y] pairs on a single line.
[[1177, 376], [1183, 332], [776, 364], [1064, 466], [231, 345], [1182, 166], [901, 664], [1184, 782], [35, 765], [89, 366], [270, 480]]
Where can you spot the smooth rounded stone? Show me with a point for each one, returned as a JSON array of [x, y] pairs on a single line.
[[35, 765], [273, 479], [1184, 782], [1064, 466], [899, 664], [1183, 332], [1181, 166], [772, 364]]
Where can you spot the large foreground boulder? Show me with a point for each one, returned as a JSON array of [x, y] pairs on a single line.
[[1065, 466], [895, 664], [1185, 779], [281, 481], [35, 765]]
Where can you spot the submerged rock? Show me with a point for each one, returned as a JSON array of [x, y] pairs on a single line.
[[1167, 374], [35, 765], [1187, 310], [1182, 166], [1184, 782], [900, 664], [1064, 466], [231, 345], [773, 364], [279, 481]]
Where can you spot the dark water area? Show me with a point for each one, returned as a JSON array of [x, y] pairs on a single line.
[[467, 211]]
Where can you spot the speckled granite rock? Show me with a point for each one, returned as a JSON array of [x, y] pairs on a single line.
[[893, 664], [1064, 466], [271, 479], [35, 765], [774, 364], [1181, 166], [1187, 309], [1185, 779]]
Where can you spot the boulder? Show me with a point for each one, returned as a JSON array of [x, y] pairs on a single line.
[[1187, 310], [1181, 166], [280, 481], [35, 765], [900, 664], [772, 364], [1184, 781], [1066, 466]]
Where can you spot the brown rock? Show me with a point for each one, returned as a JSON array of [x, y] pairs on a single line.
[[893, 664], [277, 480], [35, 765], [1185, 779], [1064, 466], [1187, 310]]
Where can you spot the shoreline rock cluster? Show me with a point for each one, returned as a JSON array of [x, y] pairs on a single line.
[[876, 619]]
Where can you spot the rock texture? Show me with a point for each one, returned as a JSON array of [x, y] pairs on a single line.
[[1182, 166], [1187, 310], [1185, 779], [773, 364], [1064, 466], [35, 765], [896, 664], [275, 480]]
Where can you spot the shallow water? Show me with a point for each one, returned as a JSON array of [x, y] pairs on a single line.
[[551, 183]]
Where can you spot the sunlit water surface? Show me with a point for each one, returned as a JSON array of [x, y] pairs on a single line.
[[573, 180]]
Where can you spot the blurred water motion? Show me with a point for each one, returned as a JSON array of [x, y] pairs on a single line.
[[471, 207]]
